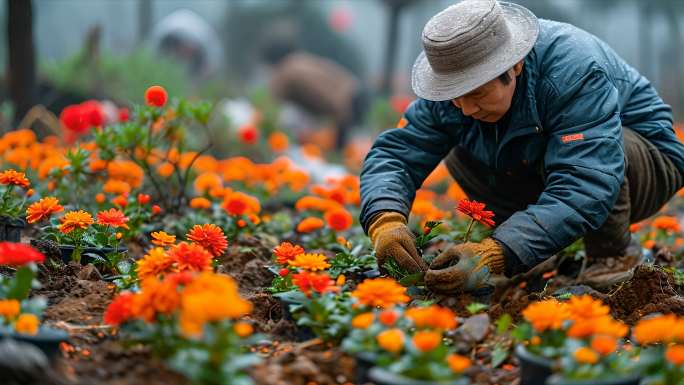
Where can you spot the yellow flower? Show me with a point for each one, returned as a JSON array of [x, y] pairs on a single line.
[[310, 261], [380, 292], [391, 340], [27, 324]]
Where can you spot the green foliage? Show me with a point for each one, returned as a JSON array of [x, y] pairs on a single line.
[[476, 307]]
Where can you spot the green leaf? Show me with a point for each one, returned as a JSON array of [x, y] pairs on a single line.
[[124, 267], [21, 284], [503, 323], [499, 355], [476, 307], [412, 279]]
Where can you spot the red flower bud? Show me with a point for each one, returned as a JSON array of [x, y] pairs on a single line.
[[156, 210], [426, 230], [156, 96], [284, 272], [143, 199]]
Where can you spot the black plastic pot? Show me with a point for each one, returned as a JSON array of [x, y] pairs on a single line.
[[10, 228], [364, 362], [534, 370], [303, 333], [380, 376], [631, 380], [48, 339], [68, 250]]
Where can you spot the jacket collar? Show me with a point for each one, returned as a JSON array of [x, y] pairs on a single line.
[[524, 105]]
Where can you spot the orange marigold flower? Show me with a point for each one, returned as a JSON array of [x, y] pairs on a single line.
[[156, 96], [165, 169], [278, 141], [74, 220], [388, 317], [155, 262], [433, 316], [603, 325], [161, 238], [27, 324], [320, 283], [18, 254], [200, 203], [315, 203], [604, 345], [458, 363], [391, 340], [9, 308], [286, 252], [114, 186], [667, 223], [112, 217], [547, 314], [363, 320], [476, 211], [42, 209], [210, 237], [190, 257], [100, 198], [310, 224], [426, 341], [585, 355], [155, 297], [675, 354], [120, 309], [207, 181], [380, 292], [121, 200], [239, 203], [12, 177], [657, 329], [243, 329], [309, 261], [585, 307], [338, 219]]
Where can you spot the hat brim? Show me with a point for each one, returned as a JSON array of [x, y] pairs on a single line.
[[524, 29]]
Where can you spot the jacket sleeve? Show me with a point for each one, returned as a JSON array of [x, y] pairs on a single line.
[[583, 165], [401, 159]]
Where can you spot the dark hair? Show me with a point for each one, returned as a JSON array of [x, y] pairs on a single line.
[[505, 78]]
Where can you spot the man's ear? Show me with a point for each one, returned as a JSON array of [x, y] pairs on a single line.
[[518, 67]]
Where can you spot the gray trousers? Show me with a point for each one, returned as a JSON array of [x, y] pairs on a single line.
[[651, 179]]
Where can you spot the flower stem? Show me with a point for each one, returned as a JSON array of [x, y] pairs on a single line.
[[466, 237]]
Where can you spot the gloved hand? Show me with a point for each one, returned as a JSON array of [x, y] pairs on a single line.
[[392, 238], [475, 262]]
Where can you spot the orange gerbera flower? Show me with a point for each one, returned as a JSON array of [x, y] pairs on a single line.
[[433, 316], [75, 220], [210, 237], [278, 141], [155, 262], [338, 219], [391, 340], [604, 345], [9, 308], [657, 329], [309, 261], [388, 317], [586, 307], [120, 309], [476, 211], [310, 224], [12, 177], [155, 297], [675, 354], [286, 252], [363, 320], [315, 203], [603, 325], [42, 209], [666, 223], [308, 282], [112, 217], [200, 203], [27, 324], [207, 181], [190, 257], [426, 341], [161, 238], [380, 292], [585, 355], [547, 314], [114, 186], [239, 203]]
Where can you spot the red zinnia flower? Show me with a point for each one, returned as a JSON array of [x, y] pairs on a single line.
[[338, 219], [17, 254], [190, 257], [156, 96], [143, 199], [73, 119], [124, 114], [320, 283], [210, 237], [287, 251], [476, 211], [119, 311], [43, 209], [112, 217]]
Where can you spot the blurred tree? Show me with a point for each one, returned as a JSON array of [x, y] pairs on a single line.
[[394, 8], [144, 19], [22, 63]]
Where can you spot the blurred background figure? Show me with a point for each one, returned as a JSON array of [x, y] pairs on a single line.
[[188, 38], [320, 88]]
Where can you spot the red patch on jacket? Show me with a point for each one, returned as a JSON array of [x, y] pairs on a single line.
[[572, 138]]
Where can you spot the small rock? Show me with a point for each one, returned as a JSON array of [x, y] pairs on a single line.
[[89, 273], [575, 290], [475, 328]]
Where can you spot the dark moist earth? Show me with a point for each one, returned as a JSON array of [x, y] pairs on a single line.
[[77, 298]]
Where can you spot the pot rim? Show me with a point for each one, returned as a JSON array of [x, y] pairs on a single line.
[[377, 373], [522, 352]]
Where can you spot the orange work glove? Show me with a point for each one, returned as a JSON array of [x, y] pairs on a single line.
[[392, 238], [475, 263]]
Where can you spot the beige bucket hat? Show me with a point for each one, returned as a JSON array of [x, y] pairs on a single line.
[[469, 44]]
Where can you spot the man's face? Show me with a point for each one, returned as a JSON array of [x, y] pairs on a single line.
[[491, 101]]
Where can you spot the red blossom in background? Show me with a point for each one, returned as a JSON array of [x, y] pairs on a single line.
[[120, 310], [320, 283], [476, 211], [248, 133], [17, 254], [124, 114], [400, 103], [79, 118], [156, 96], [210, 237]]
